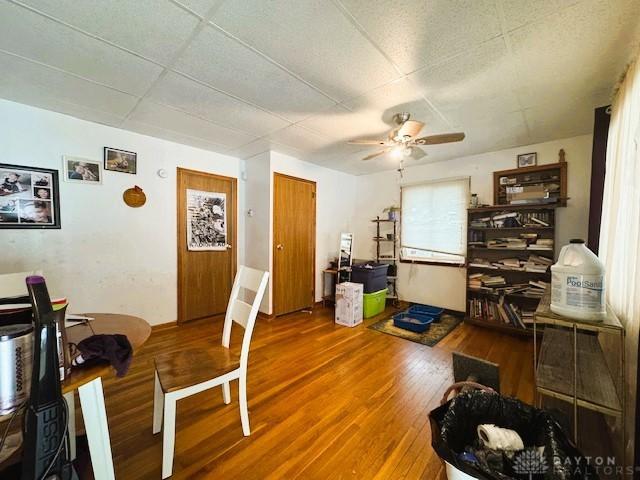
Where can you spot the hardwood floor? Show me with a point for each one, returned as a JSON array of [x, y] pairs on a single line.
[[324, 401]]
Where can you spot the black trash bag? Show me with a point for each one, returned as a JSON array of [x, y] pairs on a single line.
[[454, 427]]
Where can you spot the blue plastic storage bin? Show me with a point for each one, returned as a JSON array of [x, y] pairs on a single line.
[[414, 322], [435, 312]]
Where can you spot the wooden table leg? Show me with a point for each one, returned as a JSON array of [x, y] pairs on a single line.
[[95, 422]]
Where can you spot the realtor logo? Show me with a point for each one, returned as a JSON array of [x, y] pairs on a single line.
[[530, 462]]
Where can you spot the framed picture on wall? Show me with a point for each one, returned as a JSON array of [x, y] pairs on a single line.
[[527, 160], [120, 160], [29, 197], [81, 170]]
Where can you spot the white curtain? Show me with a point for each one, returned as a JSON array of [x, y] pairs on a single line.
[[620, 228]]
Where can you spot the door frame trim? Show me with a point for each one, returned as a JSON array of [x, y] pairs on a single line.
[[273, 239], [234, 239]]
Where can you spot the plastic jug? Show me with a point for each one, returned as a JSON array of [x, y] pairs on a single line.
[[577, 283]]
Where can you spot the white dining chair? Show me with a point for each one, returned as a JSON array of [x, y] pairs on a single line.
[[187, 372]]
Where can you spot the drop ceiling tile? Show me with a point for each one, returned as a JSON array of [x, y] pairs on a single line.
[[166, 134], [299, 138], [576, 50], [225, 64], [338, 122], [307, 37], [252, 149], [35, 37], [521, 12], [192, 97], [477, 82], [160, 116], [38, 85], [415, 33], [153, 28], [560, 119]]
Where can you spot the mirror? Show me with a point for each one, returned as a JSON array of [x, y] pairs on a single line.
[[346, 245]]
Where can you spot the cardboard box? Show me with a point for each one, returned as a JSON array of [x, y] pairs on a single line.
[[527, 192], [349, 304]]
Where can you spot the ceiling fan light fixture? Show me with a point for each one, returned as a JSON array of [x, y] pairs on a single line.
[[397, 152], [406, 152]]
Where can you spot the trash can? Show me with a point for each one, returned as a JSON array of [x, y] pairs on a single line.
[[372, 275], [454, 428]]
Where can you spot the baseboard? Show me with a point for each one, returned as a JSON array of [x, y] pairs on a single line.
[[266, 316], [164, 326]]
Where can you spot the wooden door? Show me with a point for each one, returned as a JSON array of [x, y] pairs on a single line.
[[205, 276], [294, 243]]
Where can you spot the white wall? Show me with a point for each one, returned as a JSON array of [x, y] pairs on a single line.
[[107, 257], [445, 286], [335, 201], [258, 226]]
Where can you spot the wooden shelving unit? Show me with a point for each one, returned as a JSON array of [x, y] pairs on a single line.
[[551, 178], [381, 242], [520, 301], [572, 364]]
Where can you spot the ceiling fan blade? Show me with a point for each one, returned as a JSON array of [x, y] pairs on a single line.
[[377, 154], [436, 139], [410, 128], [367, 141]]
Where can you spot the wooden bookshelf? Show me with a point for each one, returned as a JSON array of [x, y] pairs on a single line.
[[550, 178], [488, 308]]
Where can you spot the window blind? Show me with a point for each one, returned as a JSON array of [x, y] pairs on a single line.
[[434, 221]]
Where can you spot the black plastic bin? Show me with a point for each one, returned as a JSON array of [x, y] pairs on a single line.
[[372, 275]]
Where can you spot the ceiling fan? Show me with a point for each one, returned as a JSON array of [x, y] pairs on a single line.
[[403, 141]]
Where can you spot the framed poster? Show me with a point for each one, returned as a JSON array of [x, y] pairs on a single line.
[[81, 170], [206, 220], [118, 160], [29, 197]]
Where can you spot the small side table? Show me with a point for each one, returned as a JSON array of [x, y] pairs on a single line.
[[330, 278]]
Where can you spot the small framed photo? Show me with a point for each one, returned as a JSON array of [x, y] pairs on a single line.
[[81, 170], [527, 160], [28, 197], [120, 160]]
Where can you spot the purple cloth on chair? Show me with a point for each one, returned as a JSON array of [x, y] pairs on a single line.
[[114, 348]]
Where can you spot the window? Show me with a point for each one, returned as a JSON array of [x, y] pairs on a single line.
[[434, 221]]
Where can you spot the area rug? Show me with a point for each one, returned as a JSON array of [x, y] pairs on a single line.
[[431, 337]]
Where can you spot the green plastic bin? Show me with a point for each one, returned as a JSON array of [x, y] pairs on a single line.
[[373, 303]]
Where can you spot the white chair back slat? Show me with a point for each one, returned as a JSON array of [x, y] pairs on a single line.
[[241, 312], [14, 284], [250, 278]]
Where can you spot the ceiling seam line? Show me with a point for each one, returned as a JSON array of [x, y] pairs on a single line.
[[223, 147], [271, 60], [142, 57], [230, 95], [507, 41], [71, 74], [347, 14], [197, 29], [85, 33]]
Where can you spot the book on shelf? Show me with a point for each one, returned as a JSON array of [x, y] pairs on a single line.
[[507, 219], [534, 264], [500, 312]]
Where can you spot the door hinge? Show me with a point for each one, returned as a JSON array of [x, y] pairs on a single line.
[[313, 194]]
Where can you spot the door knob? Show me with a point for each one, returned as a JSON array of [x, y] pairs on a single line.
[[228, 247], [280, 246]]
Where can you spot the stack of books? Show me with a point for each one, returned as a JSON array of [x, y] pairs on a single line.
[[537, 219], [507, 242], [534, 264], [537, 264], [542, 244], [480, 281], [536, 288]]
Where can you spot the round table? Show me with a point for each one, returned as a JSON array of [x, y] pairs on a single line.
[[136, 329], [88, 382]]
